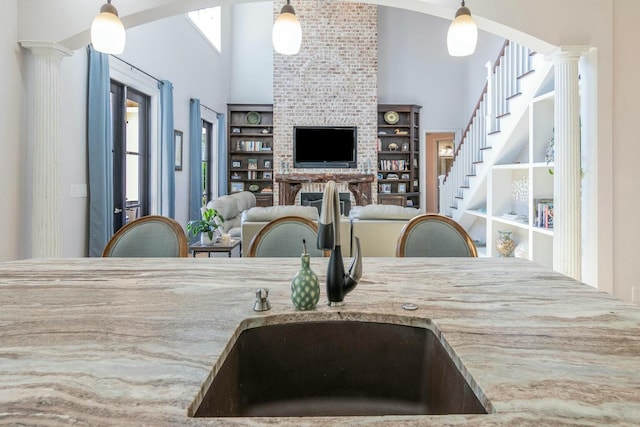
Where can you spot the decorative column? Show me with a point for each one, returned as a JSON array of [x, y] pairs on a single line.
[[46, 211], [567, 218]]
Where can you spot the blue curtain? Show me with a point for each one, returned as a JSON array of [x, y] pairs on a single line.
[[99, 152], [195, 159], [167, 151], [222, 156]]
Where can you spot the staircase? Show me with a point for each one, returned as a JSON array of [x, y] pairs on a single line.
[[516, 77]]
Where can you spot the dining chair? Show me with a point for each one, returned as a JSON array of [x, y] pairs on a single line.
[[434, 235], [282, 237], [148, 236]]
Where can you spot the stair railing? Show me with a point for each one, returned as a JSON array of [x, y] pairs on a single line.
[[513, 62]]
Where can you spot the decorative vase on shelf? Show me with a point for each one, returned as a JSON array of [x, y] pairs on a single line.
[[505, 245], [305, 287]]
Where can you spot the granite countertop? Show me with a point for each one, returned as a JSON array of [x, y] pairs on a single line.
[[130, 341]]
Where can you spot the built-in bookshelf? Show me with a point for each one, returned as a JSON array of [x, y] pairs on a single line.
[[519, 191], [398, 173], [250, 148]]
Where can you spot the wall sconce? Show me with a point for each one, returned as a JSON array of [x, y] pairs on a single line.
[[462, 36], [107, 32], [287, 33]]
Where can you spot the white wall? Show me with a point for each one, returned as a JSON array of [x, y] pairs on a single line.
[[624, 149], [73, 154], [172, 49], [415, 68], [13, 172], [251, 54], [158, 48]]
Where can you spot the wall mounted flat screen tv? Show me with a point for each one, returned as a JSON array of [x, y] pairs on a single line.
[[325, 147]]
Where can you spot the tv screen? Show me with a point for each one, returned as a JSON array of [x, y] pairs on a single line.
[[324, 147]]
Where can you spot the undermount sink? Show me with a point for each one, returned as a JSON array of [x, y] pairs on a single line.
[[337, 368]]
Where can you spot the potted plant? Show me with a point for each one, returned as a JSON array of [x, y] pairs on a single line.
[[207, 226]]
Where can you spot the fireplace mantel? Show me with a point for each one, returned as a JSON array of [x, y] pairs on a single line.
[[290, 184]]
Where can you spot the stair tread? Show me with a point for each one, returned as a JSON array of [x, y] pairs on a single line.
[[508, 113], [493, 132], [525, 74], [515, 95], [488, 147]]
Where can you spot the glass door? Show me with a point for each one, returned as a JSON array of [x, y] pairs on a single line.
[[130, 113]]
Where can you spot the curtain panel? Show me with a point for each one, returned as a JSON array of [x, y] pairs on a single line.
[[195, 159], [167, 151], [222, 156], [99, 152]]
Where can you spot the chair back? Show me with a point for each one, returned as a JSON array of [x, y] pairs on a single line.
[[148, 236], [433, 235], [283, 236]]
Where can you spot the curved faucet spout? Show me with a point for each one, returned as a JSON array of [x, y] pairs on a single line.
[[339, 283]]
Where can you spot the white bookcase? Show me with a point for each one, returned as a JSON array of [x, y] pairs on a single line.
[[523, 165]]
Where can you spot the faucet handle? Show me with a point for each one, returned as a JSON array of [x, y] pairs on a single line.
[[262, 300]]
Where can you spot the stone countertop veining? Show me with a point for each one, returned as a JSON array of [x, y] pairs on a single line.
[[105, 341]]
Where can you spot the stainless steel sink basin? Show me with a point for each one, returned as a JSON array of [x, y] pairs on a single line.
[[336, 368]]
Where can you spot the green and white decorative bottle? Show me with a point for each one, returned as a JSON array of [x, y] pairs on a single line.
[[305, 288]]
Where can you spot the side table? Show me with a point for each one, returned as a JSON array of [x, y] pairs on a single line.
[[216, 247]]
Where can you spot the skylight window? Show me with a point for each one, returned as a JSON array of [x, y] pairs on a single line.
[[208, 22]]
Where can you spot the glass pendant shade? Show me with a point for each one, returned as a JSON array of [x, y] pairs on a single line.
[[107, 32], [462, 36], [287, 32]]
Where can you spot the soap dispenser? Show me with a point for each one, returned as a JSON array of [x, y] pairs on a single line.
[[305, 288]]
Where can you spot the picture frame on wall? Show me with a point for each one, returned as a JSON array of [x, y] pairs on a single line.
[[236, 163], [177, 141], [402, 187], [252, 164], [267, 175], [236, 187], [267, 164]]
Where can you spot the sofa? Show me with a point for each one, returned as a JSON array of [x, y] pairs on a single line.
[[378, 227], [231, 208], [255, 218]]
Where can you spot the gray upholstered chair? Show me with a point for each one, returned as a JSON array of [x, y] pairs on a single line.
[[149, 236], [433, 235], [282, 237]]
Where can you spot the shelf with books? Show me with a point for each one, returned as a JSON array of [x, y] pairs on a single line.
[[250, 150], [398, 140]]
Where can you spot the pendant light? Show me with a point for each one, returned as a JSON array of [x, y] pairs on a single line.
[[287, 33], [462, 36], [107, 32]]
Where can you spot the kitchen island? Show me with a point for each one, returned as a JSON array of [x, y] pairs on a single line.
[[130, 341]]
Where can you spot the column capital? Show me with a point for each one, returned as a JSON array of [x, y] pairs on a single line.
[[566, 53], [45, 48]]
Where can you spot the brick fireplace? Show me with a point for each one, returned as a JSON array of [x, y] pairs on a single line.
[[331, 82]]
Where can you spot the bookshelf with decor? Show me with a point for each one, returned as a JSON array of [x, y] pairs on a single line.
[[250, 150], [398, 149], [520, 189]]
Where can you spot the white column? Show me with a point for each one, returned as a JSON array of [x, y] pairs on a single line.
[[46, 219], [567, 219]]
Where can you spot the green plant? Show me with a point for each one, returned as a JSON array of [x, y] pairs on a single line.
[[209, 222]]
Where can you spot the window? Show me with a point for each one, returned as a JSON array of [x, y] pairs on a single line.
[[209, 166], [208, 22], [207, 131]]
